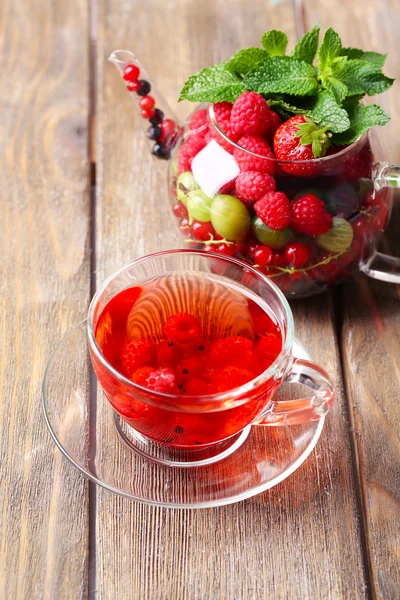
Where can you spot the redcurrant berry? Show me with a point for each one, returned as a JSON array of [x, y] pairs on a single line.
[[180, 210], [226, 249], [263, 256], [297, 254], [202, 231], [131, 73], [132, 86], [147, 102]]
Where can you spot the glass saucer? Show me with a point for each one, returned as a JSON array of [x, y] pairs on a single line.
[[91, 435]]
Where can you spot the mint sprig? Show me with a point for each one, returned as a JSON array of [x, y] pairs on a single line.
[[329, 93]]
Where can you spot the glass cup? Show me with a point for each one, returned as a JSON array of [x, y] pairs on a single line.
[[194, 423]]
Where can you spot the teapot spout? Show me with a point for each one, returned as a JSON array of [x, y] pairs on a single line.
[[158, 121]]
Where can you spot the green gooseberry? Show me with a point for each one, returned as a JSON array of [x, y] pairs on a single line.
[[229, 217], [269, 237]]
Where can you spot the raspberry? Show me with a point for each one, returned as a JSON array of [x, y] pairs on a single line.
[[249, 162], [168, 354], [252, 186], [274, 122], [235, 351], [136, 354], [222, 113], [227, 188], [265, 353], [188, 151], [196, 387], [199, 121], [192, 366], [182, 328], [229, 377], [274, 210], [250, 114], [160, 380], [309, 216]]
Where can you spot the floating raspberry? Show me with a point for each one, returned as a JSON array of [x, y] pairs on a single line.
[[309, 216], [195, 386], [250, 115], [247, 161], [199, 121], [274, 210], [168, 354], [252, 186], [229, 377], [182, 328], [265, 353], [188, 151], [274, 122], [192, 366], [235, 351], [136, 354], [222, 113], [160, 380]]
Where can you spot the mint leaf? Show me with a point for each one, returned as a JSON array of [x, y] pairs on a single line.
[[362, 77], [246, 59], [374, 58], [351, 103], [338, 89], [215, 84], [351, 52], [282, 75], [327, 113], [329, 49], [285, 109], [306, 47], [274, 42], [362, 118]]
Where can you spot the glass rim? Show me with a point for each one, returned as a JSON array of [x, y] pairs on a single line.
[[313, 161], [221, 396]]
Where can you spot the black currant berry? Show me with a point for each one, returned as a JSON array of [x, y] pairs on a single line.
[[154, 132], [158, 117], [144, 89]]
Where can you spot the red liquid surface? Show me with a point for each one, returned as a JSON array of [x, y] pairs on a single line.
[[183, 414]]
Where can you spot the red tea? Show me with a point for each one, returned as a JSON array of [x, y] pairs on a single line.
[[186, 340]]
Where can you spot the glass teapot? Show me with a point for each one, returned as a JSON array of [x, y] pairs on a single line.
[[212, 213]]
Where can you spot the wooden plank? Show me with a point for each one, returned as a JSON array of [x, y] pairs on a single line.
[[371, 323], [300, 540], [44, 287]]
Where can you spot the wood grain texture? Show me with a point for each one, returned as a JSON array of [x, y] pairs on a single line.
[[370, 339], [300, 540], [44, 287]]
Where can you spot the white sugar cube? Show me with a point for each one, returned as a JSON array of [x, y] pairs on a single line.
[[212, 167]]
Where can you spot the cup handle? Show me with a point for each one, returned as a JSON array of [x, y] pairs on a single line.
[[302, 410], [378, 265]]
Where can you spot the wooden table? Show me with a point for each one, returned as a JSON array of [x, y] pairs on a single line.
[[81, 197]]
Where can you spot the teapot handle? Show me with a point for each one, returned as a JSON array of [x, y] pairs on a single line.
[[378, 265]]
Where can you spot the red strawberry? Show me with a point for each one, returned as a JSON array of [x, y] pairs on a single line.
[[250, 114], [297, 140], [252, 186], [182, 328], [274, 210], [254, 144], [136, 354]]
